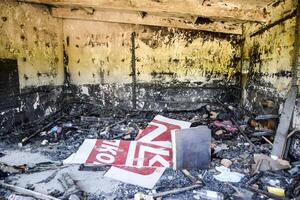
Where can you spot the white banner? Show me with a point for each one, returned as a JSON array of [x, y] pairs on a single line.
[[157, 132]]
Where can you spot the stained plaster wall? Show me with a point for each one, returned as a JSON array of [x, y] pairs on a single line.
[[267, 60], [31, 36], [168, 68], [113, 64]]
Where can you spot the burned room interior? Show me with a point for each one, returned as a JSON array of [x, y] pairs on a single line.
[[149, 99]]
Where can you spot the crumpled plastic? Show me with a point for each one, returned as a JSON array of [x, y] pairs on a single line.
[[266, 163], [227, 125], [228, 176]]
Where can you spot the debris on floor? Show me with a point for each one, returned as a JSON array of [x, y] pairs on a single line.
[[227, 176], [207, 194], [116, 154], [266, 163]]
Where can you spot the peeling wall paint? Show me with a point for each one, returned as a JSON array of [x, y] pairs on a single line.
[[172, 67], [100, 52], [186, 56], [270, 55], [163, 67], [29, 34], [97, 52], [267, 59], [148, 67], [100, 55]]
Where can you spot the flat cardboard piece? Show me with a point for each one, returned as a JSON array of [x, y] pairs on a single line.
[[191, 148]]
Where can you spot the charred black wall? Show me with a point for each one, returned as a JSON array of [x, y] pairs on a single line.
[[19, 106], [268, 59], [9, 84], [30, 104], [150, 68], [156, 97]]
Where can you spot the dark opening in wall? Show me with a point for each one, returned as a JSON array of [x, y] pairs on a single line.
[[203, 20], [9, 84]]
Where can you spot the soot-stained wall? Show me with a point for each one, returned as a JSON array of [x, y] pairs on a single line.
[[267, 59], [31, 37], [143, 67], [150, 67], [112, 64], [29, 34]]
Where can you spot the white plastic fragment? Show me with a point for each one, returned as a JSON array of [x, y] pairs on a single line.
[[44, 142], [141, 196], [227, 176]]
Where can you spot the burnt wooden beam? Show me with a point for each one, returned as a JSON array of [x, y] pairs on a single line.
[[296, 53], [176, 191], [284, 124], [26, 192], [279, 145], [133, 70], [279, 21], [113, 16], [191, 7]]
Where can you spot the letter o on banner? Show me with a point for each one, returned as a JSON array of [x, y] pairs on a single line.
[[105, 158]]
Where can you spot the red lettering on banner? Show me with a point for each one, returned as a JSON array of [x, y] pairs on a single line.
[[130, 153], [157, 131], [163, 135], [106, 148], [148, 156], [140, 162], [104, 158], [104, 152]]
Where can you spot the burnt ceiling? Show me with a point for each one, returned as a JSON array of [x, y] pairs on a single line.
[[226, 16]]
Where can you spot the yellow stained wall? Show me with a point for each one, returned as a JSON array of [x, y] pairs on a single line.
[[274, 50], [29, 34], [189, 56], [100, 52]]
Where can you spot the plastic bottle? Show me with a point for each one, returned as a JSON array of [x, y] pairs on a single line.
[[208, 194], [18, 197]]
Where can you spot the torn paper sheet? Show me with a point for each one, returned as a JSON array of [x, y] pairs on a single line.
[[228, 176], [157, 132], [266, 163]]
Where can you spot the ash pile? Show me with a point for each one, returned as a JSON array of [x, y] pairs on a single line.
[[84, 151]]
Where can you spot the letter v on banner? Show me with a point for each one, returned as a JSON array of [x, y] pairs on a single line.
[[158, 132]]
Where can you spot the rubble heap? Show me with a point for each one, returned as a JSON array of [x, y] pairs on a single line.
[[241, 165]]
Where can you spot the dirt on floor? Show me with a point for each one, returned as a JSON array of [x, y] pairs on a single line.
[[237, 136]]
